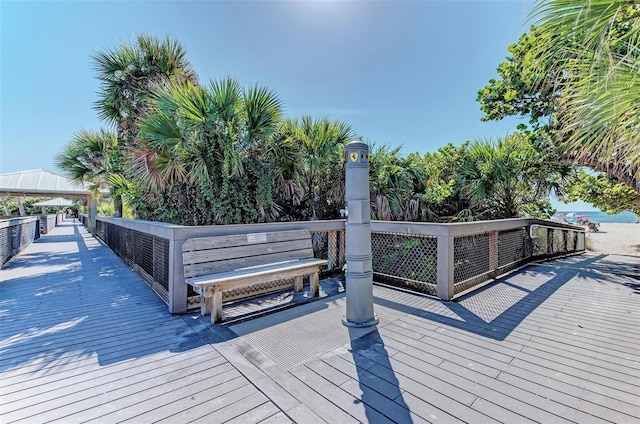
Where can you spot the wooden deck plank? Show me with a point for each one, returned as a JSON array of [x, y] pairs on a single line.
[[500, 414], [584, 360], [556, 348], [235, 408], [441, 351], [277, 418], [80, 342], [302, 414], [506, 368], [603, 411], [260, 414], [427, 411], [396, 410], [363, 376], [297, 391], [201, 401], [93, 343], [79, 406], [350, 407], [51, 388], [441, 395], [449, 380]]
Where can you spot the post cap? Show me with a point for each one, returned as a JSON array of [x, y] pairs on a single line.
[[357, 152]]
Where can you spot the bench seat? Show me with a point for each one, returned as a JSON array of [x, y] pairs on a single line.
[[216, 264]]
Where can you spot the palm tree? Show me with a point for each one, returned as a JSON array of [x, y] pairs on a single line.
[[284, 154], [321, 170], [92, 156], [596, 45], [504, 178], [129, 76], [394, 184], [211, 142]]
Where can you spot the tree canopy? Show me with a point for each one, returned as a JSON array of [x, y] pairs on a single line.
[[222, 152], [575, 75]]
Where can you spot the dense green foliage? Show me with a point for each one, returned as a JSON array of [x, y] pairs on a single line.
[[201, 150], [575, 75], [606, 193], [11, 204]]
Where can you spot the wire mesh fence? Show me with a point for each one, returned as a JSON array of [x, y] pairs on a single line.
[[329, 245], [471, 256], [408, 261], [406, 258], [16, 237], [513, 246], [146, 253]]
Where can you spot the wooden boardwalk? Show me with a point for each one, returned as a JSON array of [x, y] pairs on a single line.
[[83, 338]]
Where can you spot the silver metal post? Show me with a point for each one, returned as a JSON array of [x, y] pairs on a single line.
[[359, 275]]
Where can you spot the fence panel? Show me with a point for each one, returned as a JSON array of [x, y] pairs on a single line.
[[408, 261], [15, 235], [403, 254]]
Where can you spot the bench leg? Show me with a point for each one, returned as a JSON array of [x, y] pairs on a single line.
[[216, 307], [205, 305], [314, 284], [298, 283]]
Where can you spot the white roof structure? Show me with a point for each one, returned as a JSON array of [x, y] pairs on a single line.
[[40, 183], [58, 201]]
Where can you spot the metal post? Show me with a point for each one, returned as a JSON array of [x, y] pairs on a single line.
[[359, 275]]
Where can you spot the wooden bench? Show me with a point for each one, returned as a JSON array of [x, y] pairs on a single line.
[[215, 264]]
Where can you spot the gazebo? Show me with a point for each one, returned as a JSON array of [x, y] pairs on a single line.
[[41, 183], [58, 201]]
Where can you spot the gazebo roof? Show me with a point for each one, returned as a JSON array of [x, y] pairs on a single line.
[[58, 201], [38, 183]]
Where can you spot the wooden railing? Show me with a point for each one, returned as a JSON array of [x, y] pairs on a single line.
[[443, 260]]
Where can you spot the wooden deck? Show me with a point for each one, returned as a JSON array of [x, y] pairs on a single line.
[[83, 338]]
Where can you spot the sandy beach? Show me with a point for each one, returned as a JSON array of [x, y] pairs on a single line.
[[621, 239]]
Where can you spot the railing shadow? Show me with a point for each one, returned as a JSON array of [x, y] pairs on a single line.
[[80, 302], [496, 309]]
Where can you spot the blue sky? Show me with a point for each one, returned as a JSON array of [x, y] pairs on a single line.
[[403, 73]]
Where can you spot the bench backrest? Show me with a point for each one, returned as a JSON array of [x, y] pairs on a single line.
[[208, 255]]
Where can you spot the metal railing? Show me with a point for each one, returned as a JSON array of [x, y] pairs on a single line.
[[443, 260], [16, 234]]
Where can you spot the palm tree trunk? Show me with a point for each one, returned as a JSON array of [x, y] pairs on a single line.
[[117, 206]]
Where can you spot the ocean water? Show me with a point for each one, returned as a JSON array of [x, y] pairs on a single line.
[[623, 217]]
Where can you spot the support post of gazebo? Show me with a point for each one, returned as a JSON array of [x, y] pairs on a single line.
[[92, 205]]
